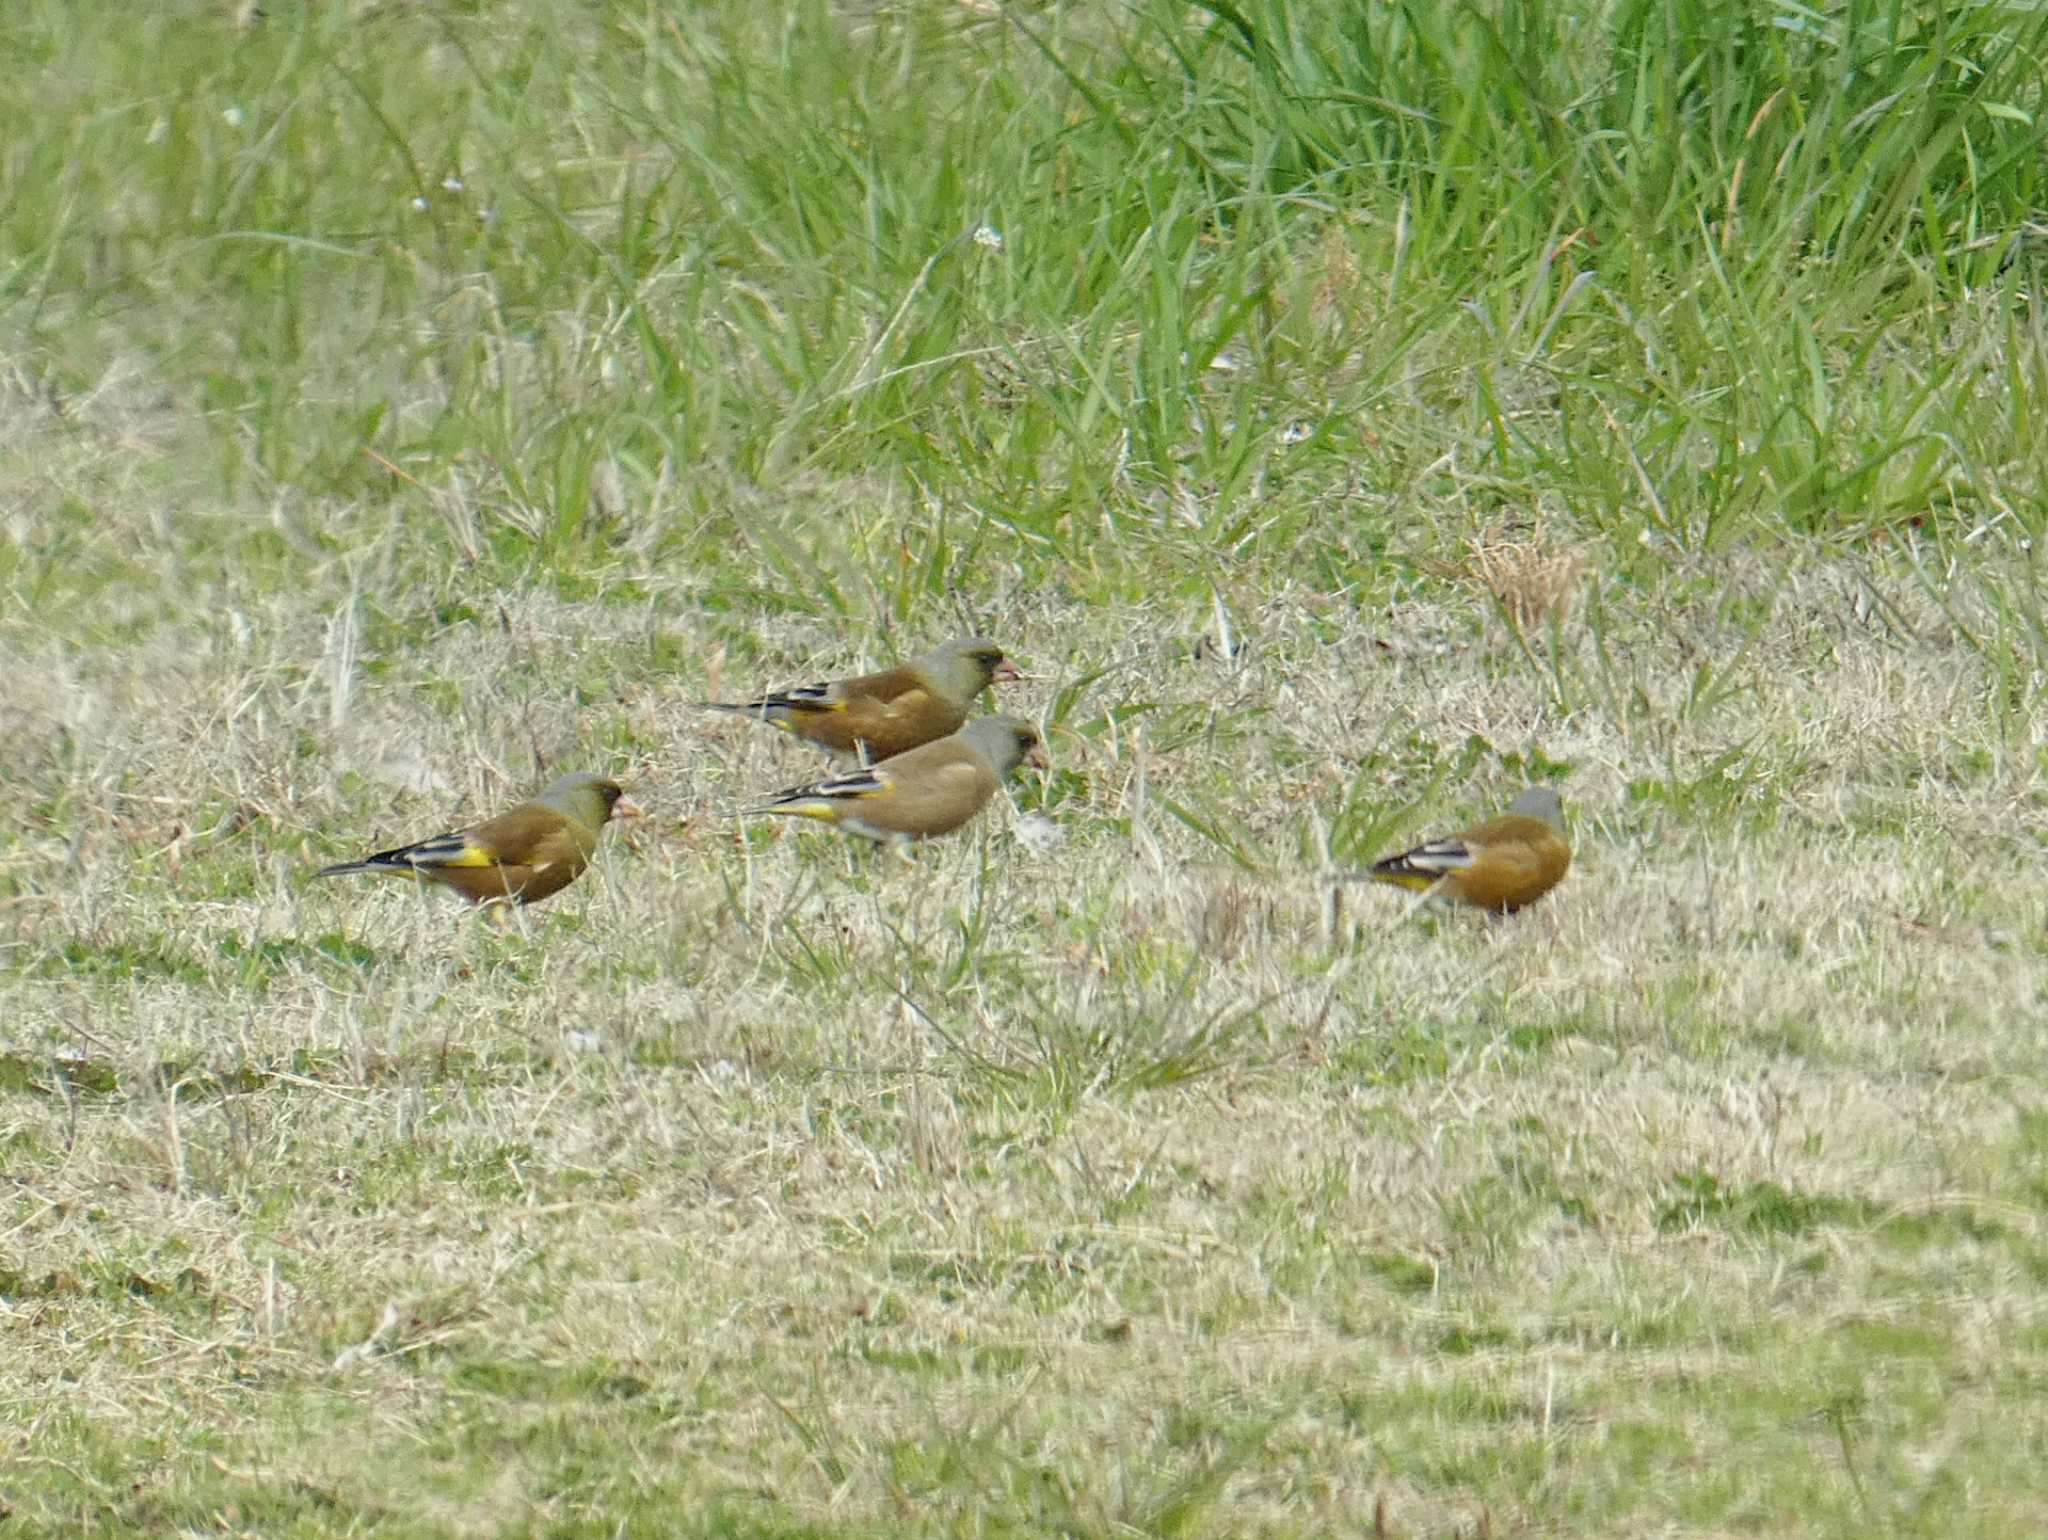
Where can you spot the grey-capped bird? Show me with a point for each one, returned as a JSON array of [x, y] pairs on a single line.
[[889, 713], [522, 856], [929, 790], [1503, 865]]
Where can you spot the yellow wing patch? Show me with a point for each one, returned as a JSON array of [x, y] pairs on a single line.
[[1414, 882], [878, 783]]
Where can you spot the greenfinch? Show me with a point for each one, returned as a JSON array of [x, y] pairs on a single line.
[[522, 856], [932, 789], [879, 716], [1503, 865]]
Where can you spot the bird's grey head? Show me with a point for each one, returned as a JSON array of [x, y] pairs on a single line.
[[1539, 802]]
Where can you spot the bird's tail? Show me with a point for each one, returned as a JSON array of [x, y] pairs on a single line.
[[408, 860], [817, 799], [803, 697]]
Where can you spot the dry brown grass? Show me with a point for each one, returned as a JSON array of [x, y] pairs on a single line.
[[1529, 575], [395, 410], [1083, 1186]]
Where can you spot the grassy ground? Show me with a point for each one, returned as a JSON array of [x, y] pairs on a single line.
[[1348, 415]]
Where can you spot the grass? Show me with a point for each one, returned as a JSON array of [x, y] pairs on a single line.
[[1348, 415]]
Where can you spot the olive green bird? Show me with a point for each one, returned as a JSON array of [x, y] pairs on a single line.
[[522, 856], [929, 790], [889, 713], [1502, 865]]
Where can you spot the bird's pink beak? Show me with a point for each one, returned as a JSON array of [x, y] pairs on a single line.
[[1037, 758], [1004, 670], [626, 807]]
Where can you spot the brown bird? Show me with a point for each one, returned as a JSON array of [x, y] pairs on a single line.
[[522, 856], [1504, 865], [890, 713], [929, 790]]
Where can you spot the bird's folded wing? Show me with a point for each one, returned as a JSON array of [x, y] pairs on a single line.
[[1438, 856], [806, 697], [943, 793], [457, 849], [864, 783], [838, 788]]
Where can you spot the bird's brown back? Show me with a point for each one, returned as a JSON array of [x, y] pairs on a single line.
[[892, 712], [1519, 859]]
